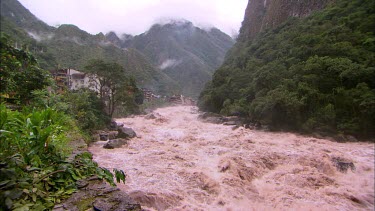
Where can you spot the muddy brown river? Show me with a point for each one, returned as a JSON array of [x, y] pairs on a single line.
[[178, 162]]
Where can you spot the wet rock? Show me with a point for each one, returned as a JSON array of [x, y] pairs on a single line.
[[340, 138], [115, 143], [114, 125], [125, 132], [235, 127], [265, 128], [103, 136], [112, 134], [234, 119], [150, 116], [318, 135], [115, 203], [59, 207], [214, 120], [351, 138], [224, 166], [230, 123], [82, 183], [342, 164], [208, 114], [157, 201], [95, 196]]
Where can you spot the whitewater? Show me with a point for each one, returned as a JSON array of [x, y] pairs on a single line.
[[178, 162]]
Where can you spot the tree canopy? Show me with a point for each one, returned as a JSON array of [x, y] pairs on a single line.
[[310, 74], [114, 86], [20, 74]]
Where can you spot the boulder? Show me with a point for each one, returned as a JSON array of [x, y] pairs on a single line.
[[112, 134], [340, 138], [115, 143], [150, 116], [98, 195], [103, 136], [351, 138], [114, 125], [214, 120], [208, 114], [231, 123], [82, 183], [343, 164], [125, 132]]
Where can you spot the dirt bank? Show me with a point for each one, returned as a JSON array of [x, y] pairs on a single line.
[[181, 163]]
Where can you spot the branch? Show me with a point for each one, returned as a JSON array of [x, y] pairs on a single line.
[[45, 176]]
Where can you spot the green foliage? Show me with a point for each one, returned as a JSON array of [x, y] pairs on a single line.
[[311, 74], [87, 109], [19, 73], [34, 172], [116, 89]]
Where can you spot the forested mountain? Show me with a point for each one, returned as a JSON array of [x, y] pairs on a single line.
[[262, 15], [312, 74], [70, 47], [184, 52], [175, 57], [22, 17]]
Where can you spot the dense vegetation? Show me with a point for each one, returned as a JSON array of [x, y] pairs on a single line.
[[36, 168], [116, 89], [311, 74], [67, 46]]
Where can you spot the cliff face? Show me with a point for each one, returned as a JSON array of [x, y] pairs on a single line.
[[265, 14]]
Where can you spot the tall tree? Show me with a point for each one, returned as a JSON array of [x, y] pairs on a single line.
[[110, 80]]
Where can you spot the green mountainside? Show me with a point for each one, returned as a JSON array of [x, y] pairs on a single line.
[[70, 47], [312, 74], [22, 17], [186, 53], [173, 58]]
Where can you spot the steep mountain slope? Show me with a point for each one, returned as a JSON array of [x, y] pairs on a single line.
[[22, 17], [69, 46], [262, 14], [308, 74], [184, 52]]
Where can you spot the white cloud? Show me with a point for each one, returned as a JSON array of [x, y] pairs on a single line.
[[169, 63], [40, 37], [135, 17]]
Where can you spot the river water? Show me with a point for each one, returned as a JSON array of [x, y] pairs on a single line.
[[178, 162]]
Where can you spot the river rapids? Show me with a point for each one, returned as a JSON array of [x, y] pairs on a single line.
[[178, 162]]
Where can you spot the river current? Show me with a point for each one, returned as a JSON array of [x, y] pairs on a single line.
[[178, 162]]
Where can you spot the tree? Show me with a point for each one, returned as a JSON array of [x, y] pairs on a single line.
[[110, 80], [19, 73]]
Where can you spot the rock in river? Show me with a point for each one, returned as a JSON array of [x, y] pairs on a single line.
[[125, 132], [115, 143]]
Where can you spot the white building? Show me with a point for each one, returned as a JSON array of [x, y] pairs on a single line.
[[78, 80]]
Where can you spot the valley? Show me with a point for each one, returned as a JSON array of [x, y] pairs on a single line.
[[278, 116]]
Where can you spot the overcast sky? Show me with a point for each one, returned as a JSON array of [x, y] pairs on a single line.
[[136, 16]]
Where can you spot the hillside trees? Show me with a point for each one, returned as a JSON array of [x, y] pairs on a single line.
[[311, 74], [115, 88], [19, 73]]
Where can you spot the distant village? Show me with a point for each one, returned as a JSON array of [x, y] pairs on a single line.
[[73, 80]]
